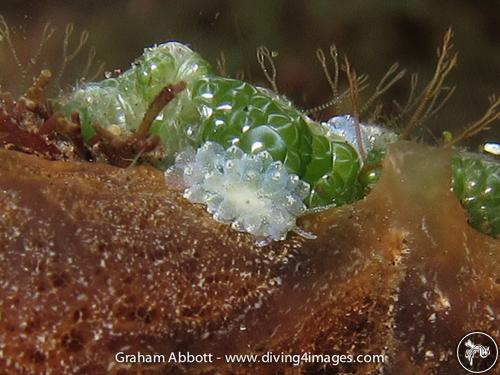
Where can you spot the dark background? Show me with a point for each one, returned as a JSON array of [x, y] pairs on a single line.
[[374, 34]]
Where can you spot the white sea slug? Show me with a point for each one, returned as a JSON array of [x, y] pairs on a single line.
[[251, 192]]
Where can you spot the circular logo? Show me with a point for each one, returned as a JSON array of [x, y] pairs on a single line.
[[477, 352]]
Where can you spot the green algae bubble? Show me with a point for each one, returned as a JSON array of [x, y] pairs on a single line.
[[212, 108], [332, 173], [258, 120], [233, 113], [237, 113], [476, 183], [123, 101]]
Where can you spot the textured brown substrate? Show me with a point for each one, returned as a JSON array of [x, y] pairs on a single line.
[[95, 259]]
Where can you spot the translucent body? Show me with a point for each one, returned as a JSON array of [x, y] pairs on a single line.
[[253, 193]]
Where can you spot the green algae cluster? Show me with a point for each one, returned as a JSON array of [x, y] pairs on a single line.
[[235, 113]]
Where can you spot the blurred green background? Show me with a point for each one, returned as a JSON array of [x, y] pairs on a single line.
[[374, 34]]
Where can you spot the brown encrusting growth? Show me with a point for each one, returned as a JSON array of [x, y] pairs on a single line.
[[96, 259], [30, 125], [21, 120], [70, 132], [14, 137]]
